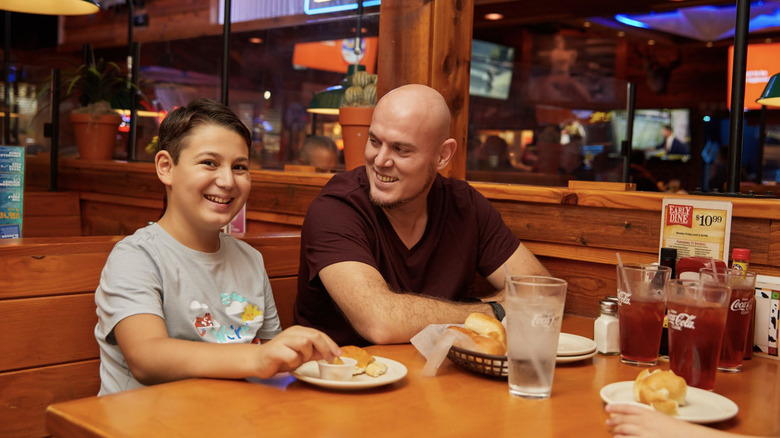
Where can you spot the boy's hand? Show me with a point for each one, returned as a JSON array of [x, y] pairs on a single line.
[[293, 347]]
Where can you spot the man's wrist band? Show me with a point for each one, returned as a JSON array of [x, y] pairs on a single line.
[[498, 309]]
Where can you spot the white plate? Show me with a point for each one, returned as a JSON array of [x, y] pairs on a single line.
[[700, 406], [309, 372], [567, 359], [573, 345]]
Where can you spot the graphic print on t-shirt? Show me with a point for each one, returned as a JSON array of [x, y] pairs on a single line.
[[240, 316]]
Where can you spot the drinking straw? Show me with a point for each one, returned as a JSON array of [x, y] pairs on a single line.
[[510, 286], [714, 268], [623, 273]]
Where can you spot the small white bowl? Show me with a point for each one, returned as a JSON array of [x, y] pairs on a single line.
[[329, 371]]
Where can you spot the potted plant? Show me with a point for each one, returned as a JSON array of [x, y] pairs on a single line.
[[355, 116], [100, 87]]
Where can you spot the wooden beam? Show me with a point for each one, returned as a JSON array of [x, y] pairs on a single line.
[[429, 42]]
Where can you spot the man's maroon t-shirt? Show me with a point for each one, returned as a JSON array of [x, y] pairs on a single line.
[[464, 236]]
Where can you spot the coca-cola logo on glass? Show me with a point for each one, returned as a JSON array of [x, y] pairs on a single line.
[[624, 298], [545, 320], [742, 306], [679, 321]]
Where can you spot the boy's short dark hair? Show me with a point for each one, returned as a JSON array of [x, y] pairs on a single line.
[[178, 125]]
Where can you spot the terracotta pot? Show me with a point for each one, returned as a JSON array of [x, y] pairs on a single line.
[[95, 136], [354, 131]]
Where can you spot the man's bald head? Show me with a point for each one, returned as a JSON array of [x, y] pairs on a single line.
[[421, 104]]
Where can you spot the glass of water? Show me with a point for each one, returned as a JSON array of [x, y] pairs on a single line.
[[534, 307]]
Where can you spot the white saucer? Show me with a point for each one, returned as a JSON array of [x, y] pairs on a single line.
[[700, 406], [574, 345], [567, 359], [310, 373]]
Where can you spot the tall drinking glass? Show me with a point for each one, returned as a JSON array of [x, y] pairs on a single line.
[[534, 310], [641, 307], [741, 302], [697, 318]]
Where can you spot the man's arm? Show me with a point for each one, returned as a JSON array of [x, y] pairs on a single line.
[[381, 315], [521, 262]]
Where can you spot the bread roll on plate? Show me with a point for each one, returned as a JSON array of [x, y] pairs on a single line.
[[362, 357], [663, 390]]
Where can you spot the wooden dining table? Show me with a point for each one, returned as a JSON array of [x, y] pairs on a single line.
[[454, 403]]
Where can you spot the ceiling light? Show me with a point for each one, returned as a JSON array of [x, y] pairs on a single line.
[[255, 40], [771, 94], [51, 7], [493, 16]]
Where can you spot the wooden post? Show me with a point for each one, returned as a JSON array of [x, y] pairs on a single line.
[[429, 42]]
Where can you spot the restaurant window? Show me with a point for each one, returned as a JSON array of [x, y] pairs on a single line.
[[275, 71]]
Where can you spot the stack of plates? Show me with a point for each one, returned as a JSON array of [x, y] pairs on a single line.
[[572, 348]]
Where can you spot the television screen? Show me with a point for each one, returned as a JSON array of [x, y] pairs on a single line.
[[649, 132], [335, 55], [762, 62], [491, 69]]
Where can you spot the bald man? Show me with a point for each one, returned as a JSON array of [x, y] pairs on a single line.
[[388, 248]]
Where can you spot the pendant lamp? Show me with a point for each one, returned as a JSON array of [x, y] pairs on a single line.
[[771, 94], [51, 7]]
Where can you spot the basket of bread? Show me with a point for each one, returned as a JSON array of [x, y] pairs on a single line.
[[480, 346]]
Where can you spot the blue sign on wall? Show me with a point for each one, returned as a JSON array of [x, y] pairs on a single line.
[[312, 7], [11, 191]]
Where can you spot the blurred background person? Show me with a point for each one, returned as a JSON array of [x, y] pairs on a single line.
[[494, 154], [671, 144], [548, 150], [321, 152], [638, 173], [572, 162]]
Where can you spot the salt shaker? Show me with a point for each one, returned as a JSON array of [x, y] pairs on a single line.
[[605, 328]]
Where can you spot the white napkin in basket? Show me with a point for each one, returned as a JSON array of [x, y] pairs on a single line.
[[434, 343]]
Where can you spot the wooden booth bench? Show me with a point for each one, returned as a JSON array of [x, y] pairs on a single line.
[[48, 352]]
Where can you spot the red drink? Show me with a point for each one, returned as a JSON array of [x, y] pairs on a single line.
[[695, 337], [641, 324], [737, 321]]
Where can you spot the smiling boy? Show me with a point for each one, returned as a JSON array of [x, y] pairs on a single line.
[[388, 248], [180, 299]]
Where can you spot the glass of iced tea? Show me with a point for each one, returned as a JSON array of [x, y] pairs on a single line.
[[641, 307], [697, 318], [743, 284]]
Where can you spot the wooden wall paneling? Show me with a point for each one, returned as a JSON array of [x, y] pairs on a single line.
[[113, 181], [27, 393], [116, 218], [281, 197], [595, 227], [754, 234], [281, 252], [26, 276], [773, 257], [27, 320], [168, 20], [285, 290], [587, 283], [51, 214]]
